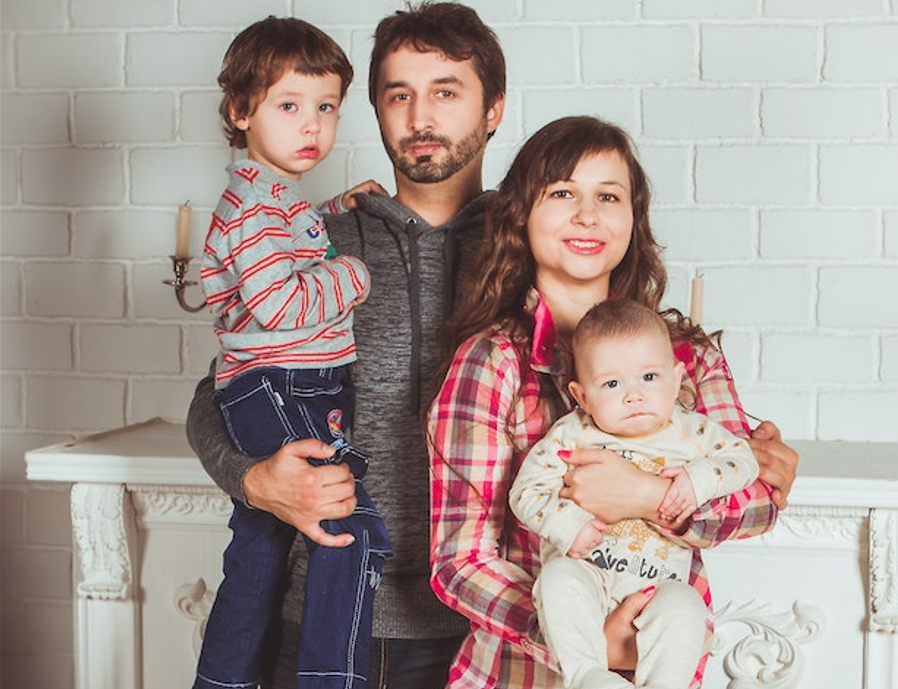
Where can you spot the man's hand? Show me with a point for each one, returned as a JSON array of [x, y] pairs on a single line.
[[297, 493], [777, 461]]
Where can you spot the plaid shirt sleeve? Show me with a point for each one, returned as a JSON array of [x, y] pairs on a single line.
[[473, 460], [747, 512]]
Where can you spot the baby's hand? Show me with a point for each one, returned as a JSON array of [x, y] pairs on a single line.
[[589, 537], [679, 501], [366, 187]]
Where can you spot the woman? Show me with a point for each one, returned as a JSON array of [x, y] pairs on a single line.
[[568, 228]]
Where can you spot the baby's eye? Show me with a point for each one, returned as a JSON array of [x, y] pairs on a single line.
[[649, 377], [610, 384]]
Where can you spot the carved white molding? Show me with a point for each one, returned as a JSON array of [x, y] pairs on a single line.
[[180, 504], [769, 655], [884, 571], [820, 524], [194, 601], [105, 530]]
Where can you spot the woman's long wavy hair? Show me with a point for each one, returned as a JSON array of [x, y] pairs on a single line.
[[499, 278]]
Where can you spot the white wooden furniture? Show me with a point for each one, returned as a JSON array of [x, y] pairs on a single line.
[[812, 605]]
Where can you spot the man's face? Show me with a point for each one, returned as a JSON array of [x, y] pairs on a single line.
[[431, 114]]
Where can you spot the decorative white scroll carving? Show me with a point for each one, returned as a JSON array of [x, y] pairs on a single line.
[[768, 656], [194, 601], [177, 504], [104, 528], [884, 571], [822, 523]]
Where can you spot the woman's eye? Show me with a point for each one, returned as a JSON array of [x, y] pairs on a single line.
[[560, 194], [607, 197]]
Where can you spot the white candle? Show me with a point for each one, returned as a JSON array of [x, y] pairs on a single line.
[[182, 241], [698, 295]]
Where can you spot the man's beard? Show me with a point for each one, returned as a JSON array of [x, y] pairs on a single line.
[[425, 169]]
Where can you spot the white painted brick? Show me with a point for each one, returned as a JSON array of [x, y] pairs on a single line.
[[668, 169], [130, 348], [763, 54], [167, 398], [617, 105], [823, 8], [704, 234], [7, 60], [129, 234], [741, 350], [358, 124], [889, 370], [541, 10], [48, 518], [635, 54], [699, 113], [528, 66], [367, 14], [9, 175], [818, 233], [36, 14], [61, 403], [35, 118], [237, 14], [858, 416], [175, 59], [791, 411], [893, 109], [37, 346], [13, 445], [12, 519], [510, 130], [72, 177], [152, 299], [201, 348], [10, 288], [858, 297], [824, 359], [753, 174], [170, 176], [821, 113], [676, 296], [81, 60], [124, 117], [49, 626], [200, 122], [861, 53], [754, 295], [495, 164], [122, 13], [10, 401], [74, 290], [859, 174], [699, 9], [891, 234], [34, 233], [37, 574]]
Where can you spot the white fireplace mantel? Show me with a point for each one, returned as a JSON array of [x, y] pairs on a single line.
[[813, 604]]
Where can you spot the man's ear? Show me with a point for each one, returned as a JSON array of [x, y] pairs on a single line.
[[578, 392], [494, 115]]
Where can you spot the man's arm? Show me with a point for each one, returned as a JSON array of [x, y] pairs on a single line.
[[284, 484]]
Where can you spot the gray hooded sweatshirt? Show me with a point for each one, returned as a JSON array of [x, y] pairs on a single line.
[[414, 269]]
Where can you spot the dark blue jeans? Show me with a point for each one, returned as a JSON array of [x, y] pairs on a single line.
[[262, 410]]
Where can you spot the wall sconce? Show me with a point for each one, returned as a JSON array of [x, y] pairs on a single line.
[[181, 260]]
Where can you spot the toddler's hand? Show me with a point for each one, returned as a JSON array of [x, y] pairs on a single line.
[[367, 187], [589, 537], [679, 501]]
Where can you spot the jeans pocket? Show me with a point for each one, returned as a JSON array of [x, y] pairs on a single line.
[[256, 420]]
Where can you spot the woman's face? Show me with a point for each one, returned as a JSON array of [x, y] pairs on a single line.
[[580, 229]]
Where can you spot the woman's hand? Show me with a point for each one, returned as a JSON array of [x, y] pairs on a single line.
[[610, 487], [620, 630], [777, 461]]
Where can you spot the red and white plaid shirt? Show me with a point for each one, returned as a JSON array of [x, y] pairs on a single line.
[[483, 561]]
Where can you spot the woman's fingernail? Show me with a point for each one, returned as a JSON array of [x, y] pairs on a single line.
[[649, 591], [564, 454]]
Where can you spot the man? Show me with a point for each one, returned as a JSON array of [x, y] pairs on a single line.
[[437, 83]]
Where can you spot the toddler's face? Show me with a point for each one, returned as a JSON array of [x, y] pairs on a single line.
[[293, 127], [628, 385]]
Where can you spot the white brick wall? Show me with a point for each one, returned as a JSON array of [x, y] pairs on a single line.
[[769, 129]]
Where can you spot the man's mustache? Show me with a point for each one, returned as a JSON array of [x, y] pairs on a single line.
[[424, 139]]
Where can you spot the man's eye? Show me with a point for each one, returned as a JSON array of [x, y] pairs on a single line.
[[445, 93]]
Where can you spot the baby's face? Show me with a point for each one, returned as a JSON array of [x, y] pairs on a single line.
[[629, 386]]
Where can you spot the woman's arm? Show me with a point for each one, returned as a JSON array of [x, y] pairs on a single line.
[[471, 470]]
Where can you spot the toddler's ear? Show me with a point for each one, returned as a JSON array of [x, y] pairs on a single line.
[[239, 120]]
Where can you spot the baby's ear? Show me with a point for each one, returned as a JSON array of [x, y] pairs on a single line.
[[578, 392]]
